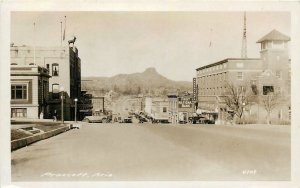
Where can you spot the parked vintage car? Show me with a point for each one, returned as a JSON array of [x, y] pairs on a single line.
[[160, 121], [124, 119], [127, 120], [200, 120], [96, 119], [183, 122], [142, 119]]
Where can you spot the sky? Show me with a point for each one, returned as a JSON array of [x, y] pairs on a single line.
[[175, 43]]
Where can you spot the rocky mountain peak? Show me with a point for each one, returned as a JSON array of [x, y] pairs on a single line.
[[151, 70]]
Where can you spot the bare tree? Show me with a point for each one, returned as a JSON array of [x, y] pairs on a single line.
[[237, 97], [270, 102]]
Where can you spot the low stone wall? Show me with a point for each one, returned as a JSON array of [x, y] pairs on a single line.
[[16, 144]]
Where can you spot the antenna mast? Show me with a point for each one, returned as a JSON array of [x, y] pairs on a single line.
[[244, 42]]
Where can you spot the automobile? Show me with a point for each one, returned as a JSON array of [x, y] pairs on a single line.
[[76, 126], [201, 120], [182, 122], [164, 121], [95, 119], [142, 119], [127, 120], [160, 121]]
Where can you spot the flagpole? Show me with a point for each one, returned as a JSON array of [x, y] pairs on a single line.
[[60, 33], [34, 43], [64, 35], [210, 42]]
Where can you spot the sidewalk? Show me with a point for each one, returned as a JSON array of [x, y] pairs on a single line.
[[27, 131]]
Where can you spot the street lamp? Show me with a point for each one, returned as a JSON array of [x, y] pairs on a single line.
[[75, 109], [244, 112], [61, 89]]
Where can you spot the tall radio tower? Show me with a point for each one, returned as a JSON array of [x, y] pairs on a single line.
[[244, 42]]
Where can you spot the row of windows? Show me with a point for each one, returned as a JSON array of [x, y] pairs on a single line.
[[267, 89], [212, 91], [55, 68], [210, 69], [18, 112], [214, 79], [218, 78], [273, 44]]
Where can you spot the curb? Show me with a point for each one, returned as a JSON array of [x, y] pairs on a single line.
[[19, 143]]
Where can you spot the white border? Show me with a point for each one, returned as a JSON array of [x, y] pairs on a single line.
[[146, 5]]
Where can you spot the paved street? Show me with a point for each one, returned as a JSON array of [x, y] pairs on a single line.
[[158, 152]]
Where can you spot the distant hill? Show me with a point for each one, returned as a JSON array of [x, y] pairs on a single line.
[[147, 82]]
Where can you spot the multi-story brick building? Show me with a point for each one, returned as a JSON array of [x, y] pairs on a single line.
[[271, 70], [29, 91], [64, 67]]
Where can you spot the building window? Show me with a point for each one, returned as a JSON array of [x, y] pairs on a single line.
[[278, 74], [278, 58], [55, 91], [240, 75], [278, 44], [240, 65], [263, 45], [280, 114], [48, 66], [55, 69], [55, 88], [279, 90], [164, 109], [18, 112], [19, 91], [267, 90], [240, 89]]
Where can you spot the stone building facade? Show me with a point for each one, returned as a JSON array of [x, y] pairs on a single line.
[[29, 91]]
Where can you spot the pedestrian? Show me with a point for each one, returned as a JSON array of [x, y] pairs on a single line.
[[54, 115]]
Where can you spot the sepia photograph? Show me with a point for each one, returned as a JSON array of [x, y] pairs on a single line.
[[106, 96]]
